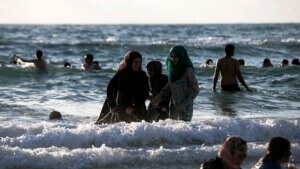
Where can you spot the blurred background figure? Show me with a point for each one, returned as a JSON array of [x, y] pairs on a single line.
[[89, 63], [267, 63], [279, 152], [209, 63], [67, 65], [295, 62], [284, 62], [241, 62], [54, 115]]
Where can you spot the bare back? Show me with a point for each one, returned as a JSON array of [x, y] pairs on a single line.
[[41, 64], [229, 69]]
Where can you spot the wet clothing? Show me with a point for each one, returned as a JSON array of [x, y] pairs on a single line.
[[183, 93], [231, 87], [215, 163], [162, 110], [127, 89]]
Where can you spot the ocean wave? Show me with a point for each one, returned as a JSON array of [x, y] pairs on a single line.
[[107, 157], [167, 133]]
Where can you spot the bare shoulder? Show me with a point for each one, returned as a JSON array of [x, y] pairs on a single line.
[[220, 61], [235, 61]]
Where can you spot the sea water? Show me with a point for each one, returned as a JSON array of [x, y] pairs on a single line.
[[28, 139]]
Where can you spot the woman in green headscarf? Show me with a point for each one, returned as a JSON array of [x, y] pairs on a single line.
[[182, 83]]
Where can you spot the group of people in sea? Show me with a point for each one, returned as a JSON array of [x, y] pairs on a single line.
[[38, 62], [234, 151], [266, 63], [172, 96]]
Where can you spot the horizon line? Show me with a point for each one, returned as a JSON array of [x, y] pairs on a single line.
[[216, 23]]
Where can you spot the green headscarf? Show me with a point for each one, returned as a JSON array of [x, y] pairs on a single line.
[[184, 61]]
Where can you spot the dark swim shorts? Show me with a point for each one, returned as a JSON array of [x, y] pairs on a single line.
[[231, 87]]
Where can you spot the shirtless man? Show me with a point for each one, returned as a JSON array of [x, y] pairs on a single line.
[[230, 72], [37, 62], [89, 64]]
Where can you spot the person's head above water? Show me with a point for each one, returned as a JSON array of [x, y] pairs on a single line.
[[96, 62], [14, 59], [241, 62], [39, 54], [209, 62], [295, 62], [55, 115], [284, 62], [131, 61], [229, 50], [88, 58], [154, 68], [67, 64], [267, 63]]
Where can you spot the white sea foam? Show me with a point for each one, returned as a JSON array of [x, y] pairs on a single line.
[[104, 156], [168, 133]]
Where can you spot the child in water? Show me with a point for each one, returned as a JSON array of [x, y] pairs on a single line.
[[157, 81]]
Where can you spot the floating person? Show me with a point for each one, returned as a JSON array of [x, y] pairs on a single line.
[[230, 72], [157, 81], [182, 84], [279, 152], [89, 64], [127, 92], [295, 62], [209, 63], [67, 65], [54, 115], [284, 62], [14, 59], [267, 63], [230, 156], [241, 62], [38, 62]]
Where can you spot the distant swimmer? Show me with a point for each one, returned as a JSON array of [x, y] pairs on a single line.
[[14, 59], [89, 64], [295, 62], [67, 65], [267, 63], [230, 72], [241, 62], [209, 63], [38, 62], [55, 115], [284, 62]]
